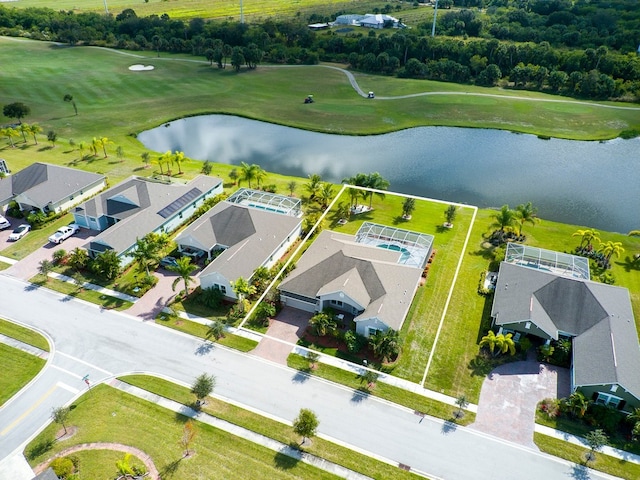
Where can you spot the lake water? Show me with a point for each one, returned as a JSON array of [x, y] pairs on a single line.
[[595, 184]]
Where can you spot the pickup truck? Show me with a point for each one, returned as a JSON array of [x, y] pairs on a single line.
[[63, 233]]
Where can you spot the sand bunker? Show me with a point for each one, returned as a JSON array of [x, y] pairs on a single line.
[[141, 68]]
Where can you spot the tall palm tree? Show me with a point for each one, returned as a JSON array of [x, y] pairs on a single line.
[[164, 158], [184, 268], [10, 133], [260, 174], [610, 249], [81, 148], [313, 186], [326, 194], [35, 129], [103, 142], [505, 218], [178, 158], [243, 289], [247, 173], [95, 144], [587, 237], [24, 129], [146, 252], [526, 213], [385, 345], [359, 180], [377, 182]]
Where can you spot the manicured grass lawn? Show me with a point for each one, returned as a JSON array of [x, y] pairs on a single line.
[[270, 428], [382, 390], [108, 415], [22, 368], [198, 330], [574, 453], [35, 239], [70, 289], [25, 335], [4, 266]]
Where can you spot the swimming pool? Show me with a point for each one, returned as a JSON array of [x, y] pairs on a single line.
[[406, 254]]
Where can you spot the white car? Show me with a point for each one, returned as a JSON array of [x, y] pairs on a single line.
[[20, 232], [4, 223], [63, 233]]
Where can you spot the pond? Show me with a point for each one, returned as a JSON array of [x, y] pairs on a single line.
[[595, 184]]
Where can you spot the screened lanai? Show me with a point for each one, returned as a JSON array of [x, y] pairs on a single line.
[[271, 202], [556, 262], [414, 247]]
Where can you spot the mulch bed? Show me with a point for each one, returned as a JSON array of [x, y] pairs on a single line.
[[329, 341]]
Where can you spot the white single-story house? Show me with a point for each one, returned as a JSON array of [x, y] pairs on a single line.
[[549, 295], [138, 206], [370, 20], [372, 275], [49, 188], [250, 229]]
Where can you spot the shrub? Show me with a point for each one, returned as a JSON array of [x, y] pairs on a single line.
[[62, 467], [354, 342], [608, 418], [210, 297], [60, 256], [550, 407]]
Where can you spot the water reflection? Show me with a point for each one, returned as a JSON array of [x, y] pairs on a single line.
[[587, 183]]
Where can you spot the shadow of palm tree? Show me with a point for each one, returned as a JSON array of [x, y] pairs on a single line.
[[204, 348], [360, 395], [33, 286], [449, 426], [301, 376], [630, 263], [579, 472], [480, 366], [284, 462]]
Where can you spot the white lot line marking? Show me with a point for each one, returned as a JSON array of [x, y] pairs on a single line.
[[86, 363], [446, 305]]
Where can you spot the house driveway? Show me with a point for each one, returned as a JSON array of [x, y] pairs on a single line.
[[28, 266], [151, 303], [509, 397], [285, 331]]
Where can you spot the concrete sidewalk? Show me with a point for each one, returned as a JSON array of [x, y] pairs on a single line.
[[241, 432], [25, 347], [96, 288]]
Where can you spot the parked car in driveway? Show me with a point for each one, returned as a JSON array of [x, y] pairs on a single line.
[[4, 223], [168, 262], [19, 232], [63, 233]]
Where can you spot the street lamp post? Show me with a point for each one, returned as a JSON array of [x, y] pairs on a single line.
[[106, 10], [435, 14]]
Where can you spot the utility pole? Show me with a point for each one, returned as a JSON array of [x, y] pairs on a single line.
[[106, 10], [435, 15]]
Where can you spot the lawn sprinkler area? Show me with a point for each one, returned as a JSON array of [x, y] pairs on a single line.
[[141, 68]]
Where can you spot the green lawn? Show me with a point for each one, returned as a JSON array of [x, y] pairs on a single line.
[[576, 454], [270, 428], [25, 335], [193, 328], [22, 366], [391, 393], [35, 239], [108, 415], [72, 290]]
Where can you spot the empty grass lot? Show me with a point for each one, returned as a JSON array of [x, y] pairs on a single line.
[[108, 415], [23, 368], [270, 428]]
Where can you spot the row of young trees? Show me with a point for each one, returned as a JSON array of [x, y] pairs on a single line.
[[605, 66]]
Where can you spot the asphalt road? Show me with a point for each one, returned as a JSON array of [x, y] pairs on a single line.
[[105, 343]]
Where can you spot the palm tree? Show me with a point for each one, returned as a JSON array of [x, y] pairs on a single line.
[[323, 324], [377, 182], [184, 268], [161, 159], [504, 343], [291, 186], [313, 186], [103, 142], [81, 148], [408, 206], [24, 129], [359, 180], [577, 404], [526, 213], [385, 345], [611, 248], [259, 174], [35, 129], [146, 158], [247, 173], [10, 133], [504, 219], [243, 289], [44, 267], [587, 237], [146, 252], [326, 194], [95, 144], [178, 158], [215, 331]]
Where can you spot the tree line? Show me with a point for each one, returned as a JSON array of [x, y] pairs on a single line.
[[584, 49]]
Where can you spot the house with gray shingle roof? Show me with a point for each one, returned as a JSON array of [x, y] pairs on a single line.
[[597, 317], [356, 275], [49, 188], [138, 206], [240, 237]]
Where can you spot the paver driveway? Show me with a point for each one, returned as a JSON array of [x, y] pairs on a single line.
[[509, 397], [285, 331]]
